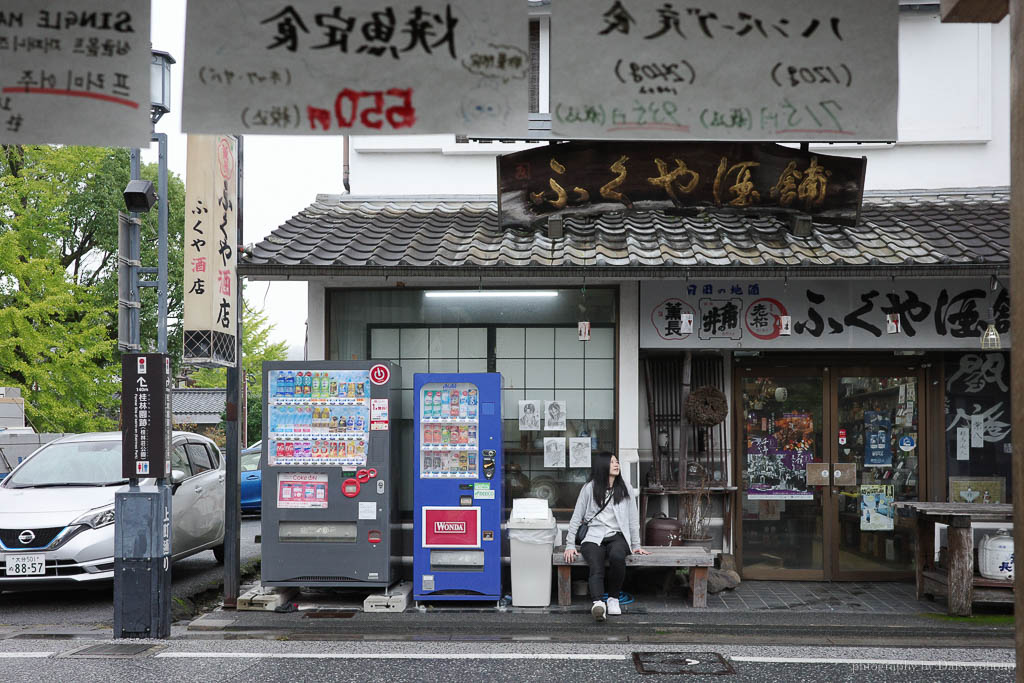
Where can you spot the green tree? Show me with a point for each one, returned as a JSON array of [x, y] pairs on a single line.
[[256, 348], [58, 279]]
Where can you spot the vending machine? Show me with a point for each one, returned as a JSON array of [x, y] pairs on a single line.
[[330, 468], [457, 487]]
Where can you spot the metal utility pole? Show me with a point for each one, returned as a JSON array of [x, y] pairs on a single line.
[[233, 427]]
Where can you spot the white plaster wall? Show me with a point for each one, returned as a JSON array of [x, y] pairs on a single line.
[[628, 355]]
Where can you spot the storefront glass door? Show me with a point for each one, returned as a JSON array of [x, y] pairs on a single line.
[[784, 534], [877, 442], [822, 460]]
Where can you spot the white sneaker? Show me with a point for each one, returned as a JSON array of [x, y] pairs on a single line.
[[613, 607], [598, 610]]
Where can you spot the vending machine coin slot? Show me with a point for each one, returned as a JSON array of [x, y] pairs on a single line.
[[489, 456], [466, 501], [380, 486]]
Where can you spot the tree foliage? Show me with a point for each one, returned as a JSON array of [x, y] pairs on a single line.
[[256, 348], [58, 279]]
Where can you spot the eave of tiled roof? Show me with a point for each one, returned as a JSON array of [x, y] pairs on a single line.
[[197, 402], [959, 232]]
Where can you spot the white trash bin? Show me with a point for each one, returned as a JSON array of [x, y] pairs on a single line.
[[531, 536]]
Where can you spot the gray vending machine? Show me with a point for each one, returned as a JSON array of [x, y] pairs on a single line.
[[330, 473]]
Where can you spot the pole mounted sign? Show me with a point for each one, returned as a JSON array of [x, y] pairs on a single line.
[[146, 415], [211, 240]]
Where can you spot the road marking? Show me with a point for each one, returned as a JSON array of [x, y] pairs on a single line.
[[388, 655], [25, 655], [874, 662]]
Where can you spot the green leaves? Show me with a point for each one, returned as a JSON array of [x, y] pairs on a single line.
[[58, 280]]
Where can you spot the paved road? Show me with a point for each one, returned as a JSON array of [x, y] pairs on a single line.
[[78, 608], [261, 660]]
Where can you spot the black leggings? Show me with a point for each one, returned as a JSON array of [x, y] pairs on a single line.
[[615, 549]]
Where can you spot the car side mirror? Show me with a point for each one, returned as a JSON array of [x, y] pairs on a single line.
[[177, 476]]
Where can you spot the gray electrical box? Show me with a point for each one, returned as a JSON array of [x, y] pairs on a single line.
[[330, 468], [142, 563]]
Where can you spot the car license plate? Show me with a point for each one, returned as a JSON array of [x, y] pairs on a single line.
[[26, 565]]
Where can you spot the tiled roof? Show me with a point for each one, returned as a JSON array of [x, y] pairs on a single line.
[[928, 231], [198, 406]]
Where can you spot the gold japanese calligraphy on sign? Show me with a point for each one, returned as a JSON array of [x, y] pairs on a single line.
[[610, 176]]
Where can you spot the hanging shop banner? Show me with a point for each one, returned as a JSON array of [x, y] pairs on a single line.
[[74, 72], [320, 67], [777, 460], [877, 439], [595, 177], [211, 237], [877, 511], [782, 70], [823, 314]]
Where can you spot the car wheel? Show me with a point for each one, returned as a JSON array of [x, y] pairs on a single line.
[[218, 553]]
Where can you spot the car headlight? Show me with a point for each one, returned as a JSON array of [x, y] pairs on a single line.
[[97, 518]]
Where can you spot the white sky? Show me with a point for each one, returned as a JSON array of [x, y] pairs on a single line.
[[283, 175]]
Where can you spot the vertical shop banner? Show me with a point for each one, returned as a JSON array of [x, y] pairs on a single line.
[[319, 67], [211, 237], [877, 512], [728, 70], [74, 73], [777, 463], [877, 439]]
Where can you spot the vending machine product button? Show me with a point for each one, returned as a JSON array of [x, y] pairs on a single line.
[[350, 488]]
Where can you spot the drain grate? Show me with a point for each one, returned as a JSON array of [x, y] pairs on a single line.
[[112, 650], [675, 663], [330, 614]]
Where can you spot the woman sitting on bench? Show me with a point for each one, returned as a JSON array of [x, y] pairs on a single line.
[[605, 513]]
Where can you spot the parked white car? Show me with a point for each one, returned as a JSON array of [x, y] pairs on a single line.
[[57, 508]]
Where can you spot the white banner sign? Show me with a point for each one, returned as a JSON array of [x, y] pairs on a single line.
[[74, 72], [725, 70], [823, 314], [211, 236], [320, 67]]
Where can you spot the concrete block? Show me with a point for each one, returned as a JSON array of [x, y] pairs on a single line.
[[395, 600], [265, 599]]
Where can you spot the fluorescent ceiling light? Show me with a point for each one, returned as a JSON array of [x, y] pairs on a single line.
[[489, 293]]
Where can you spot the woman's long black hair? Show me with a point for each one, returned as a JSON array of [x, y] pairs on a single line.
[[601, 470]]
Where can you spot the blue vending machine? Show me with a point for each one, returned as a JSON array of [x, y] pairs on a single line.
[[458, 486]]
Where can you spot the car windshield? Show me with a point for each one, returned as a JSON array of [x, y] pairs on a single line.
[[250, 461], [77, 463]]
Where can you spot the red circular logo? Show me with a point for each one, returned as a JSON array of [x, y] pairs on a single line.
[[379, 374]]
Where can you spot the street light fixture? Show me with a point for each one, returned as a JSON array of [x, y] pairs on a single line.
[[159, 84]]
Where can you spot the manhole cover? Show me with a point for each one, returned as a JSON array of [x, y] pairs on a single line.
[[330, 614], [112, 650], [674, 663]]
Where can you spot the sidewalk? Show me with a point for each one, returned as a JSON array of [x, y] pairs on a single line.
[[883, 614]]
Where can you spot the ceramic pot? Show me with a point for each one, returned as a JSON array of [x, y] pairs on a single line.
[[663, 531], [995, 556]]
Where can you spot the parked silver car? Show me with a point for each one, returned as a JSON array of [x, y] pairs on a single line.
[[57, 508]]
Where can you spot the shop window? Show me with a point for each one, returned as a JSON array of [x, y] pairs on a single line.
[[978, 443], [533, 343]]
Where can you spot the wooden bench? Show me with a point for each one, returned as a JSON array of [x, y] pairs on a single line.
[[699, 559], [957, 581]]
